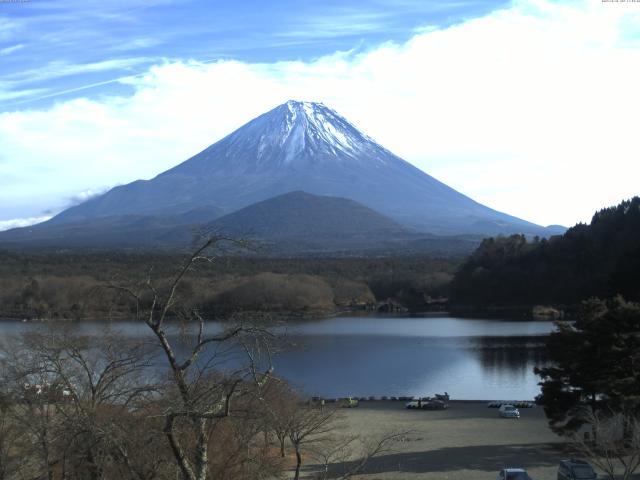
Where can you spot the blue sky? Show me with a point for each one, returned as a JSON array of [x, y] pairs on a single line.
[[527, 106], [50, 47]]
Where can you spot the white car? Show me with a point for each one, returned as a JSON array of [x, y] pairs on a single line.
[[513, 474], [427, 404], [509, 411]]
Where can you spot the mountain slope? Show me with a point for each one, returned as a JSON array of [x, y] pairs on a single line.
[[302, 146], [129, 231]]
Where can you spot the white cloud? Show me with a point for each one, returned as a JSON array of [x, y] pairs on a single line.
[[9, 27], [11, 49], [530, 110], [85, 195], [58, 69], [6, 94], [21, 222]]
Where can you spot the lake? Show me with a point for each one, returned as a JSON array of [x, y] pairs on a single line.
[[396, 355]]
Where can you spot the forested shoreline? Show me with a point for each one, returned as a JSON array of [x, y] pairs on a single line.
[[505, 276], [75, 285]]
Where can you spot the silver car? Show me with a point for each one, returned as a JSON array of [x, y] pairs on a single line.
[[508, 411], [513, 474]]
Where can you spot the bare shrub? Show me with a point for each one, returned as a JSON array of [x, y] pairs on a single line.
[[612, 441]]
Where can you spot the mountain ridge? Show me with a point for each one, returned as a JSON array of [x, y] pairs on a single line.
[[293, 224], [295, 147], [304, 146]]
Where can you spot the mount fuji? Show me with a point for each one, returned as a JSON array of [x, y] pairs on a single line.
[[296, 147]]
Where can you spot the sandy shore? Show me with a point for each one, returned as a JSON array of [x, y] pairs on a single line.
[[467, 442]]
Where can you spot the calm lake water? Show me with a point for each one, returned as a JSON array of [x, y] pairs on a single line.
[[395, 355]]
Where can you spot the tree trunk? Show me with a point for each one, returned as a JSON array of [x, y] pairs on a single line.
[[94, 467], [44, 442], [202, 453], [298, 463], [176, 448], [282, 453]]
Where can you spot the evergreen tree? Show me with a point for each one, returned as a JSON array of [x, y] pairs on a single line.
[[596, 363], [601, 259]]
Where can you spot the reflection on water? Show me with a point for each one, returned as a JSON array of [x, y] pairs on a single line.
[[397, 356], [362, 356], [466, 367], [510, 362], [422, 326], [515, 354]]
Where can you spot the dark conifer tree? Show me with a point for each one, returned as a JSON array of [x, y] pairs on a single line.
[[596, 364]]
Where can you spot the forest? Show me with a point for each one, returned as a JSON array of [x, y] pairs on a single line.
[[72, 285], [601, 259]]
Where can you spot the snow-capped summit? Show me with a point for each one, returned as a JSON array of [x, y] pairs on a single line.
[[319, 129], [308, 147], [297, 133]]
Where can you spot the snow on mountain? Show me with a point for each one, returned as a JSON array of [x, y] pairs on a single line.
[[318, 128], [303, 146], [296, 133]]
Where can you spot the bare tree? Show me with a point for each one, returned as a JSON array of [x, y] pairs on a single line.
[[70, 396], [613, 443], [279, 403], [98, 407], [11, 461], [310, 425], [27, 389], [199, 393], [346, 456]]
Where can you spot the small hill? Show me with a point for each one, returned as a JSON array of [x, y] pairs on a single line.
[[300, 214], [301, 223]]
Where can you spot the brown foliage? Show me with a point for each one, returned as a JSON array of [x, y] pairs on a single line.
[[278, 292]]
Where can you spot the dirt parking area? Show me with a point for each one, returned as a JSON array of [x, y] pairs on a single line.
[[468, 441]]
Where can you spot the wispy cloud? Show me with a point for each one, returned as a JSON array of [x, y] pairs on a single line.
[[14, 88], [341, 23], [22, 222], [382, 15], [58, 69], [85, 195], [23, 97], [11, 49], [9, 27], [137, 43], [9, 95]]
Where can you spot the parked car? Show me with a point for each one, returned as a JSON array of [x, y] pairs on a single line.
[[508, 411], [426, 404], [575, 470], [349, 402], [434, 404], [444, 398], [513, 474]]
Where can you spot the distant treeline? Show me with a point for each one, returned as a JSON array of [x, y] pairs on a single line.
[[601, 259], [74, 285]]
